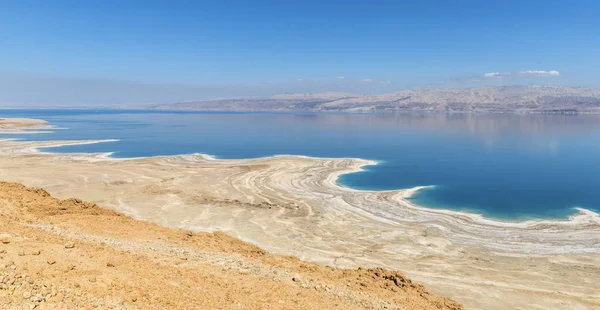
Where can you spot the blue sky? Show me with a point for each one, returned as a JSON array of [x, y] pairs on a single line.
[[222, 48]]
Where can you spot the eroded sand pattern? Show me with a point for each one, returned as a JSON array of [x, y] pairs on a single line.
[[292, 205]]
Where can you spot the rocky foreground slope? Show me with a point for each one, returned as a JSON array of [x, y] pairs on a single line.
[[69, 254], [508, 99]]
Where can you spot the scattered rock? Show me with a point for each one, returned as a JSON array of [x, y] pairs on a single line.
[[69, 245], [110, 264], [5, 238], [38, 252], [51, 261], [26, 295]]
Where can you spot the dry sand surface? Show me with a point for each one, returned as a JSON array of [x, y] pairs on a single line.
[[291, 205], [69, 254]]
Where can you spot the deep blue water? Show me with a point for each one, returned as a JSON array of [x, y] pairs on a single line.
[[504, 166]]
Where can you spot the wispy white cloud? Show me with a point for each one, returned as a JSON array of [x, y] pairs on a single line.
[[539, 73], [367, 80], [492, 75], [496, 75], [528, 73], [385, 82], [339, 77]]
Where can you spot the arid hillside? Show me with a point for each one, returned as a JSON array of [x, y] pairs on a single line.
[[505, 99], [69, 254]]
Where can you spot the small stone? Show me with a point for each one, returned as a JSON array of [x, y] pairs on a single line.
[[5, 238], [51, 261], [92, 280], [190, 234], [296, 278], [26, 295], [70, 245], [2, 251], [38, 252], [21, 253], [109, 264], [37, 298]]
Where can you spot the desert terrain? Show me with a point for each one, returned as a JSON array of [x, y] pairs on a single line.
[[498, 99], [291, 205], [70, 254]]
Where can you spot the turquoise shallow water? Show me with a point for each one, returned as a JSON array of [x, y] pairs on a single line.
[[503, 166]]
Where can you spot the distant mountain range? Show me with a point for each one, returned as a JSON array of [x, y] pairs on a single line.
[[506, 99]]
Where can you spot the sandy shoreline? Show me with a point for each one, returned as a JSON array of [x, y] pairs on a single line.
[[582, 216], [293, 205]]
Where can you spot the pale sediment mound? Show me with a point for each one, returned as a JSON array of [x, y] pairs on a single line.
[[21, 125], [21, 122], [63, 254]]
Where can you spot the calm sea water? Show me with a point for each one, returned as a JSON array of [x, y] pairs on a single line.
[[503, 166]]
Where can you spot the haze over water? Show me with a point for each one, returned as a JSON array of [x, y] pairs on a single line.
[[503, 166]]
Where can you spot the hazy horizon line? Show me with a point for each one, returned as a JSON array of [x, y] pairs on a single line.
[[22, 89]]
